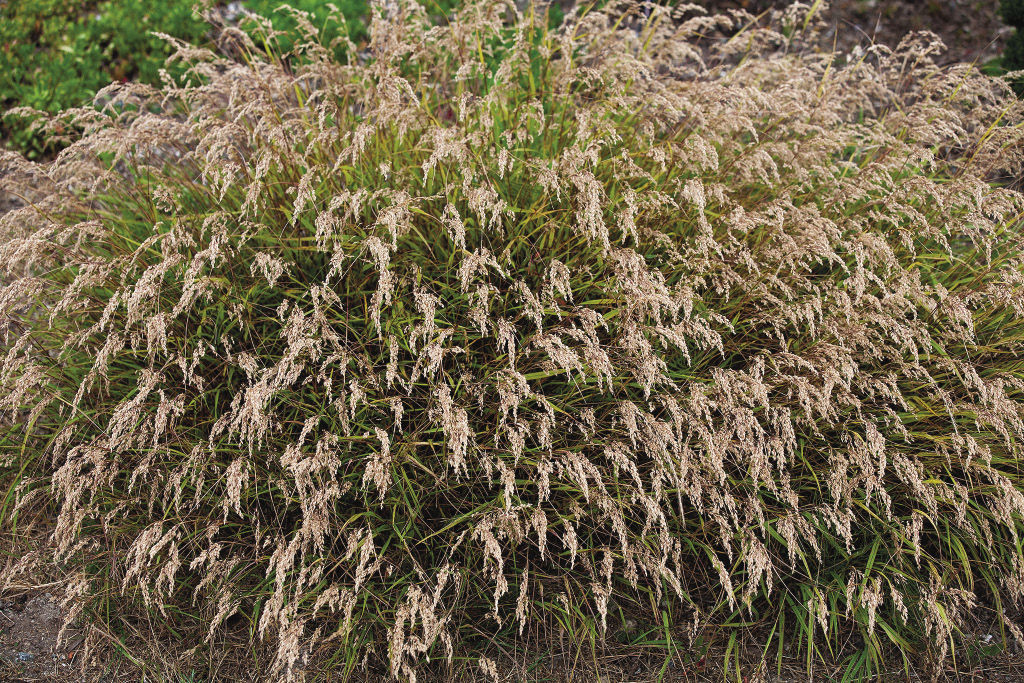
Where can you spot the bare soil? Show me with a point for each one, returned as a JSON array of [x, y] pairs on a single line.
[[971, 29], [29, 624]]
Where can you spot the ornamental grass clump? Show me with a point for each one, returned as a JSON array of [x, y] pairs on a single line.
[[502, 331]]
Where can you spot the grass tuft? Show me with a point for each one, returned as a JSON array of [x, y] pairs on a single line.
[[648, 331]]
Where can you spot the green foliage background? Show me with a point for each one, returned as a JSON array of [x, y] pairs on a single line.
[[57, 54], [1012, 12]]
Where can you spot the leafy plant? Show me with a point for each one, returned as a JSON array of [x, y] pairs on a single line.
[[1012, 11], [56, 55], [1013, 53]]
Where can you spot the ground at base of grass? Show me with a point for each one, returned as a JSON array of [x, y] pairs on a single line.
[[29, 624]]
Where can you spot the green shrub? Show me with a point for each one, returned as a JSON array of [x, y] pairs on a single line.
[[56, 55], [1013, 53], [506, 330], [1012, 11]]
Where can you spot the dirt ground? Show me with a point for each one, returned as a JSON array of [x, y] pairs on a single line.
[[30, 615], [971, 29], [29, 624]]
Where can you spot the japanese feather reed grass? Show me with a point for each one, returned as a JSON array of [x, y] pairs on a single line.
[[652, 328]]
